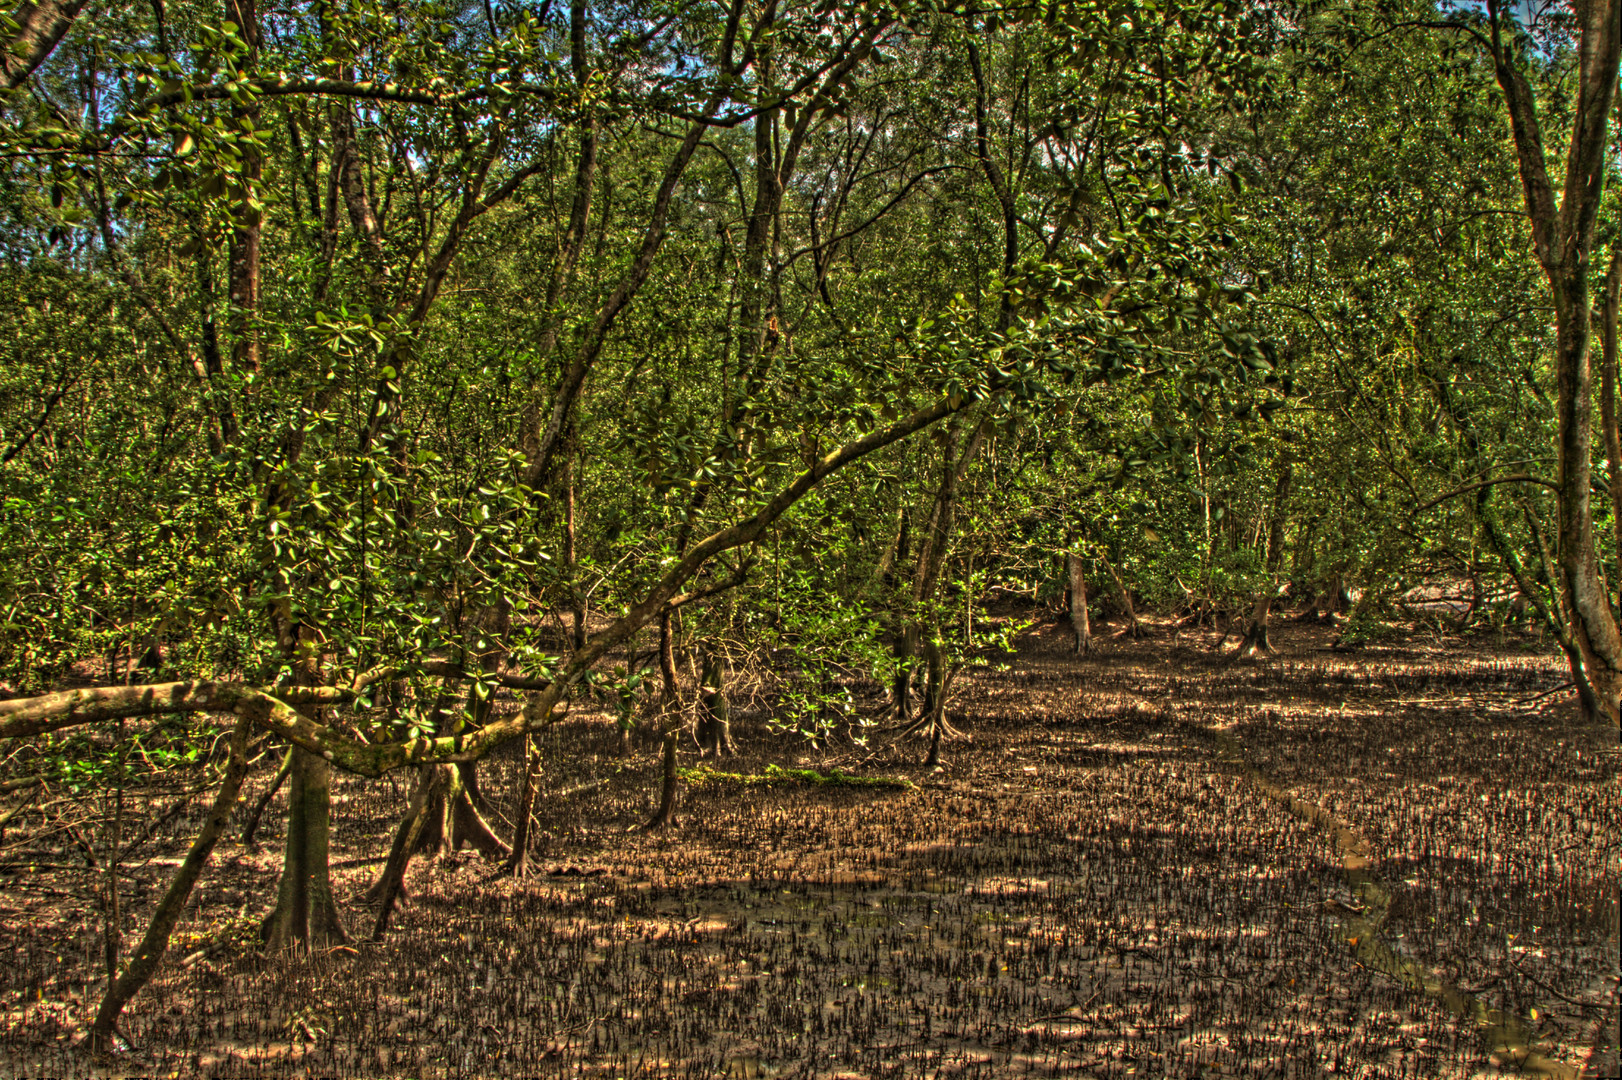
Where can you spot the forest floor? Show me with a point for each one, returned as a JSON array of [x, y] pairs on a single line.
[[1150, 862]]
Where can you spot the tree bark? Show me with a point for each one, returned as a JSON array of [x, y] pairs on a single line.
[[1123, 596], [905, 642], [40, 28], [906, 648], [1563, 237], [670, 726], [714, 711], [934, 698], [931, 561], [139, 971], [1079, 621], [247, 220], [250, 828], [1610, 309], [517, 863], [391, 883], [453, 818], [577, 602], [1256, 637], [306, 915]]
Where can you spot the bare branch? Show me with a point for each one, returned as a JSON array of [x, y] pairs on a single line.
[[1518, 478]]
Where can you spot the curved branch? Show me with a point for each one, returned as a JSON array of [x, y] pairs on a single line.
[[23, 717], [885, 209], [1518, 478]]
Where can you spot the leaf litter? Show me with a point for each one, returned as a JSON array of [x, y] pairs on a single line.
[[1149, 862]]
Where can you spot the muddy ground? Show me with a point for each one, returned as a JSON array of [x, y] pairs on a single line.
[[1393, 862]]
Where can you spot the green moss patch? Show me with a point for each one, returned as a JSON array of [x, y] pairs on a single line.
[[775, 776]]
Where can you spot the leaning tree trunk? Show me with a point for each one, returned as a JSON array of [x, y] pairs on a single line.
[[391, 885], [155, 942], [306, 915], [1123, 595], [517, 863], [1078, 605], [250, 828]]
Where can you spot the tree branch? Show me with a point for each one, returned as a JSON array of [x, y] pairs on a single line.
[[1518, 478], [41, 27]]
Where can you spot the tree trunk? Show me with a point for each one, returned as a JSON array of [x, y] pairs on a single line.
[[517, 863], [1124, 597], [1609, 313], [934, 699], [306, 915], [668, 774], [40, 28], [1332, 600], [931, 560], [1079, 621], [113, 925], [453, 819], [1256, 640], [247, 227], [1553, 612], [1587, 600], [889, 568], [906, 647], [155, 942], [937, 541], [670, 726], [1563, 238], [251, 827], [714, 711], [391, 883], [577, 603]]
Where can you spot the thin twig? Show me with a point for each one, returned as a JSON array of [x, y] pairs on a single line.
[[1546, 693]]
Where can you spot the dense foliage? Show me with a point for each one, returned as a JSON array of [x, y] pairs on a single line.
[[360, 359]]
